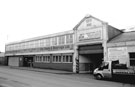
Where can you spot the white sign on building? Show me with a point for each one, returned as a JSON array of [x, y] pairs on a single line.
[[89, 34], [118, 53]]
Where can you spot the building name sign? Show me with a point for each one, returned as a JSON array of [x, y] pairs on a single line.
[[89, 34]]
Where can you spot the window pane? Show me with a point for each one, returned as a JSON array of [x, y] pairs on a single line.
[[70, 60], [53, 58], [62, 40], [59, 58], [66, 58], [132, 59], [132, 62], [56, 58], [132, 55], [69, 38], [54, 41], [43, 58], [40, 58]]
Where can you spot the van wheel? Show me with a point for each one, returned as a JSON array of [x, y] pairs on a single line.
[[98, 77]]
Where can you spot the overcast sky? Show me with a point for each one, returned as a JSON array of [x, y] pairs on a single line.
[[23, 19]]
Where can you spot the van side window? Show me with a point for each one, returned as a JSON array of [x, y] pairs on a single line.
[[106, 66]]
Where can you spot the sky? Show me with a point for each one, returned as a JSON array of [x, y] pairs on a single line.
[[24, 19]]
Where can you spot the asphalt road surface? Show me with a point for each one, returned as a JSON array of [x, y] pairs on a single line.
[[23, 78]]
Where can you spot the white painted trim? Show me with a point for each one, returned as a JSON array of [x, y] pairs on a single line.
[[35, 53]]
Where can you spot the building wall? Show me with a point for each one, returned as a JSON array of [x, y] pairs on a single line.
[[121, 51], [59, 66], [55, 44]]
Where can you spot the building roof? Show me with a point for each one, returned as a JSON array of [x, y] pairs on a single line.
[[87, 16], [124, 37]]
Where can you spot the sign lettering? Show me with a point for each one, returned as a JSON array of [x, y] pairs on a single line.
[[90, 34]]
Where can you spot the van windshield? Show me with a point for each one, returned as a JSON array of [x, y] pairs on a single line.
[[104, 65]]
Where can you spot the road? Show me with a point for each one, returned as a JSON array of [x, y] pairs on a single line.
[[23, 78]]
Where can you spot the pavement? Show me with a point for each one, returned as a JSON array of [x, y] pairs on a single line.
[[53, 71], [42, 70]]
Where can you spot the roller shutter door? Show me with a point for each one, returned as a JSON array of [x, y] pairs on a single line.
[[91, 49], [13, 61]]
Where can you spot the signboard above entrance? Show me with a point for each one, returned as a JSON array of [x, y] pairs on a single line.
[[89, 34]]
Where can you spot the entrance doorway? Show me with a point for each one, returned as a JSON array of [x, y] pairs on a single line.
[[88, 62], [28, 61], [90, 57]]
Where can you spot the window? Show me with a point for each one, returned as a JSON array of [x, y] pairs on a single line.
[[67, 58], [40, 58], [132, 59], [70, 58], [41, 43], [61, 40], [54, 41], [57, 59], [48, 42], [46, 59], [17, 46], [38, 43], [69, 38], [36, 58], [25, 45], [64, 58], [34, 44], [54, 60]]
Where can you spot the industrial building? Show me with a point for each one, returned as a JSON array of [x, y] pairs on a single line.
[[81, 49]]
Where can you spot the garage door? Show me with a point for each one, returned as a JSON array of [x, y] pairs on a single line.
[[13, 61], [91, 49]]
